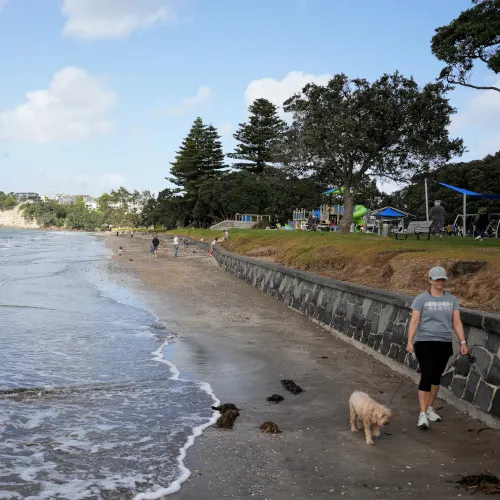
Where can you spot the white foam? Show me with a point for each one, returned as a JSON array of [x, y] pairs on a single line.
[[9, 495], [38, 418], [175, 485]]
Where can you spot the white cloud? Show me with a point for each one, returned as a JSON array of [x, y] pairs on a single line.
[[190, 103], [74, 107], [108, 19], [480, 123], [278, 91]]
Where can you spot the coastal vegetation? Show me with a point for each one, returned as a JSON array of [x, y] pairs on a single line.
[[116, 208], [7, 201]]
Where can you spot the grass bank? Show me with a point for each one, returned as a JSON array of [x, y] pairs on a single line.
[[385, 263]]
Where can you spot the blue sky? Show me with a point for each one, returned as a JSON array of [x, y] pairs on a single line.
[[100, 93]]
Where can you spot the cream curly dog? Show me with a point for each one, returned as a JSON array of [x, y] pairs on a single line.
[[369, 414]]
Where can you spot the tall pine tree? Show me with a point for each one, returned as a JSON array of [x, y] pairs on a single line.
[[259, 137], [199, 158]]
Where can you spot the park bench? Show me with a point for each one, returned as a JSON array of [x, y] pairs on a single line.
[[417, 227]]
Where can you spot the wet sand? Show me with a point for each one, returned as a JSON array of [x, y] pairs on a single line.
[[243, 343]]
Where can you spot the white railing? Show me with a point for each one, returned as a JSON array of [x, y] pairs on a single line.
[[228, 224]]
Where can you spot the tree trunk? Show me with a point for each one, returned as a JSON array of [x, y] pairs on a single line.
[[345, 223]]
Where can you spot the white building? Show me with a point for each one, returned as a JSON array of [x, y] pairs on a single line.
[[23, 197]]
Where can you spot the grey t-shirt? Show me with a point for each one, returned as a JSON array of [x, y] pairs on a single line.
[[436, 319]]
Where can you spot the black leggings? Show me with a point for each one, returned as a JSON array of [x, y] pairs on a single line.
[[432, 357]]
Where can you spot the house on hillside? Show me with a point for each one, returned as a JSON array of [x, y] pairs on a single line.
[[65, 199], [24, 197]]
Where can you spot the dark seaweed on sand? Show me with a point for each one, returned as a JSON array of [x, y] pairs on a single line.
[[291, 386], [226, 420], [483, 483], [270, 427], [275, 398]]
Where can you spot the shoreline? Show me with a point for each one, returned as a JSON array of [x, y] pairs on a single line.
[[243, 342]]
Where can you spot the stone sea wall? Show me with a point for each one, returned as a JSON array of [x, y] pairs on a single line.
[[377, 322]]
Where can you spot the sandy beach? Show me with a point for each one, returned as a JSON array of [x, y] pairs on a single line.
[[243, 343]]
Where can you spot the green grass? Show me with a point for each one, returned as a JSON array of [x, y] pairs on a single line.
[[300, 247]]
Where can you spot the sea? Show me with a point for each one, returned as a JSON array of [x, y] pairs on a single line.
[[91, 405]]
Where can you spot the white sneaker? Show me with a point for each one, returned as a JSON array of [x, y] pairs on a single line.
[[432, 415], [423, 422]]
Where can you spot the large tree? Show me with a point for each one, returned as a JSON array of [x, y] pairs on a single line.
[[351, 130], [258, 137], [474, 36], [199, 158], [235, 192], [168, 210]]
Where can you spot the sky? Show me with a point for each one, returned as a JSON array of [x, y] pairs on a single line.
[[95, 94]]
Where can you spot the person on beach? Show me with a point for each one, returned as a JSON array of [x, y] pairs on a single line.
[[212, 247], [155, 243], [176, 245], [435, 314], [437, 214]]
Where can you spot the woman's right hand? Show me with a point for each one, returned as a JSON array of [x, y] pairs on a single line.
[[409, 347]]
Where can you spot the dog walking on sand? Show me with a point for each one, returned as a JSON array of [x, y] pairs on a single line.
[[368, 413]]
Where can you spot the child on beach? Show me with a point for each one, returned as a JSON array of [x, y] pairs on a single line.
[[154, 245]]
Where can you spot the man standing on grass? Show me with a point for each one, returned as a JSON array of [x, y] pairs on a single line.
[[437, 214], [154, 245], [176, 245]]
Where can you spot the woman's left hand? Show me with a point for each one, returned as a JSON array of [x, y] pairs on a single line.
[[464, 349]]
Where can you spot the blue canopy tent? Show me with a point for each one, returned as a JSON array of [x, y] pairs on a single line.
[[465, 193], [390, 212]]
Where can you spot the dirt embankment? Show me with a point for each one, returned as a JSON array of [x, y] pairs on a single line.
[[475, 281], [14, 218]]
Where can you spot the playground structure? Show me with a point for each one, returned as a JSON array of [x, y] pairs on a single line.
[[327, 218]]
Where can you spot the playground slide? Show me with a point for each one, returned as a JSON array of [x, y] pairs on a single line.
[[357, 216]]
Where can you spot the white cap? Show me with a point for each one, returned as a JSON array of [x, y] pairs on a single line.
[[438, 273]]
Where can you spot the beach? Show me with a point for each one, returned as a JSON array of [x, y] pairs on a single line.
[[243, 342]]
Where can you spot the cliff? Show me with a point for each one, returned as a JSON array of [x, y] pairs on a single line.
[[14, 218]]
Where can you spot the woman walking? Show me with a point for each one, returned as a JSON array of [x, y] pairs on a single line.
[[435, 315]]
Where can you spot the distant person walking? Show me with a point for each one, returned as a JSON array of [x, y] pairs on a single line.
[[435, 315], [482, 221], [226, 234], [437, 214], [212, 247], [155, 243], [176, 246]]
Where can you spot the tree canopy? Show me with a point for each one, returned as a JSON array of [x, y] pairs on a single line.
[[474, 36], [7, 201], [199, 157], [477, 175], [348, 131], [258, 138]]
